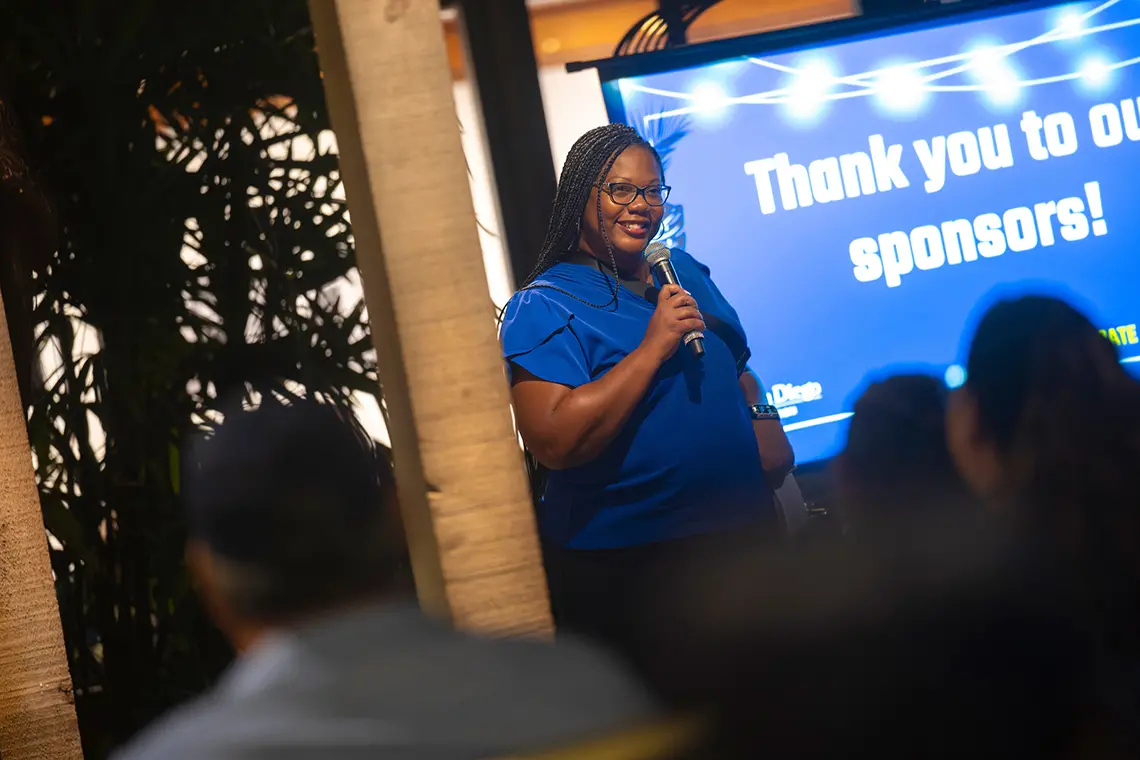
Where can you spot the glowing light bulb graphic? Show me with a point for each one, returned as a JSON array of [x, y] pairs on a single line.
[[1095, 72], [993, 70], [1070, 23], [900, 90], [955, 376], [808, 89], [709, 98]]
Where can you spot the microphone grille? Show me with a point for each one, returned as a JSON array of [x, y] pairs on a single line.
[[656, 253]]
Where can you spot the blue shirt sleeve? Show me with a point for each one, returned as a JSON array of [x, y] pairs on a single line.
[[537, 335], [720, 310]]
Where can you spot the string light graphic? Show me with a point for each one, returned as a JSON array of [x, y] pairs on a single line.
[[902, 87]]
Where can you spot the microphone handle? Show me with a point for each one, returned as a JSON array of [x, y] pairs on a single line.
[[694, 339]]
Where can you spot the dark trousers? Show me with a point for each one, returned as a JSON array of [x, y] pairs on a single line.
[[621, 597]]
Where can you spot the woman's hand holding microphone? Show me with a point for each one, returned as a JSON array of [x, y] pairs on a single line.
[[676, 314]]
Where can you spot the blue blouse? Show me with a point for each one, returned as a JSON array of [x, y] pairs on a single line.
[[686, 462]]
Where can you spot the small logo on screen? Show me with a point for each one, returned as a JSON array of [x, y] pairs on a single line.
[[787, 397]]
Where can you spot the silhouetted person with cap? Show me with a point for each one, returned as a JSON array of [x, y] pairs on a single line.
[[295, 545]]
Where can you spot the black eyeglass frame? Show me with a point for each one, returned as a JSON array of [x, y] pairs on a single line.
[[608, 188]]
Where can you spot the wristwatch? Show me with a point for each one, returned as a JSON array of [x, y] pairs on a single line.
[[764, 412]]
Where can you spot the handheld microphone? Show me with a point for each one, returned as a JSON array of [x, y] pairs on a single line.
[[657, 257]]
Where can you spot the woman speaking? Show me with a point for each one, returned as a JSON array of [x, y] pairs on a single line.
[[650, 449]]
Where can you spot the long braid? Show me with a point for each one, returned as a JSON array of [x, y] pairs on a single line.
[[589, 161]]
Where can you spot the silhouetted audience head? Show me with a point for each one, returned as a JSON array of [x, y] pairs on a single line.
[[1047, 410], [896, 463], [1047, 428], [291, 511], [954, 645]]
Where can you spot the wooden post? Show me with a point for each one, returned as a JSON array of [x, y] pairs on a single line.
[[462, 484], [37, 707], [37, 712]]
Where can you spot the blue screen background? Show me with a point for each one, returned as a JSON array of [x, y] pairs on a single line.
[[814, 329]]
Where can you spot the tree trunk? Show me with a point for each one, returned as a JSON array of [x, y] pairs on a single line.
[[463, 490], [37, 712]]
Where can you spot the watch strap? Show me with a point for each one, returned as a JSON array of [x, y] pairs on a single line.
[[764, 412]]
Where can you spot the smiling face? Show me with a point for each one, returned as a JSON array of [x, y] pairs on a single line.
[[628, 228]]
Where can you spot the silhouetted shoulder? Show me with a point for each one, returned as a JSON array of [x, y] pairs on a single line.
[[394, 683]]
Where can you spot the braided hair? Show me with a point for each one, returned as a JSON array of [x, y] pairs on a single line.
[[589, 161]]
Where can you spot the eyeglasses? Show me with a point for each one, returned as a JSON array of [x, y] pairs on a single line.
[[624, 193]]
